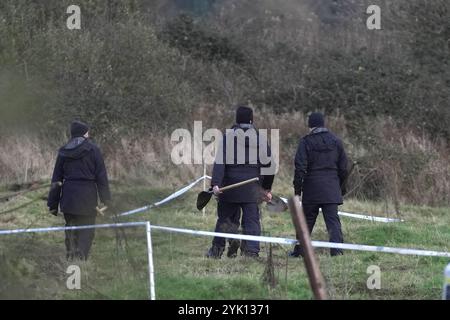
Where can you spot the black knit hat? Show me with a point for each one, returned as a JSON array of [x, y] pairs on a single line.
[[316, 120], [244, 115], [78, 129]]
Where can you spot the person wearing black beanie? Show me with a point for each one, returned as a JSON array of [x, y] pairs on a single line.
[[78, 129], [316, 120], [320, 175], [244, 115], [79, 179], [243, 199]]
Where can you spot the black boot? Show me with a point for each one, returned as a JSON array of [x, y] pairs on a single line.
[[336, 252], [233, 248], [215, 252], [296, 253]]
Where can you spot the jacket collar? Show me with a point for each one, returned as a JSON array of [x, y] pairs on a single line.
[[74, 143], [318, 130], [243, 126], [75, 148]]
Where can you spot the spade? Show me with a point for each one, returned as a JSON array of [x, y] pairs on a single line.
[[277, 204], [204, 196]]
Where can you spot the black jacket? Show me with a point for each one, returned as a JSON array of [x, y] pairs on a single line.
[[81, 169], [320, 168], [232, 169]]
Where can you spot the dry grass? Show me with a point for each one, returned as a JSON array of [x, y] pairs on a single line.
[[24, 159], [399, 166]]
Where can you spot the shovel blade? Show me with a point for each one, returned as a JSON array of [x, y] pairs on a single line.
[[276, 205], [203, 199]]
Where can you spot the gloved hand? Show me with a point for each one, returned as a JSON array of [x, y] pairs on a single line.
[[216, 190], [53, 211]]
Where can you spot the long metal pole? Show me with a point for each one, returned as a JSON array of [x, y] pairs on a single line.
[[151, 273], [312, 266]]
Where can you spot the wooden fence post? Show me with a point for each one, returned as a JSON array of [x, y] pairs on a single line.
[[312, 266]]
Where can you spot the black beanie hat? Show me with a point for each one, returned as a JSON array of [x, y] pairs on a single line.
[[244, 115], [316, 120], [78, 129]]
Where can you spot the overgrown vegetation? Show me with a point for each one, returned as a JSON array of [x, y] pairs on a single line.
[[139, 69]]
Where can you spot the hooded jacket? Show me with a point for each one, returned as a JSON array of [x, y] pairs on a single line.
[[320, 168], [81, 170], [243, 164]]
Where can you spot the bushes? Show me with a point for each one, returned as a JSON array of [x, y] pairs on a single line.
[[266, 54], [400, 164], [189, 38], [121, 79], [132, 75]]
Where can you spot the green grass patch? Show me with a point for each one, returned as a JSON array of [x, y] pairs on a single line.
[[34, 266]]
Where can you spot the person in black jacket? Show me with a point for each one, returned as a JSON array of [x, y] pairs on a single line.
[[79, 178], [244, 163], [320, 172]]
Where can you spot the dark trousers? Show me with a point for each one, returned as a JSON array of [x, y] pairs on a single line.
[[332, 222], [228, 221], [78, 242]]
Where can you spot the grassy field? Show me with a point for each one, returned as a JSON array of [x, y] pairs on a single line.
[[33, 266]]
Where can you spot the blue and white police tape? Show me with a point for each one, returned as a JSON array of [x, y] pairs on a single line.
[[317, 244], [54, 229], [283, 241], [185, 189], [167, 199], [360, 216], [370, 218]]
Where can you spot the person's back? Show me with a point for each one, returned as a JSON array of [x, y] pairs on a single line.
[[81, 172], [81, 169], [243, 164], [326, 167], [320, 172], [239, 159]]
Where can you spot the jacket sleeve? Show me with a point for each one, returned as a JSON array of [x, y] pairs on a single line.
[[101, 177], [301, 166], [54, 196], [342, 165], [267, 180], [218, 172]]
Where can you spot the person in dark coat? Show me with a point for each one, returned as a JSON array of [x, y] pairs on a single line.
[[320, 172], [81, 172], [230, 168]]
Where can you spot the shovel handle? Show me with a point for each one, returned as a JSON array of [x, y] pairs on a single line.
[[232, 186]]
